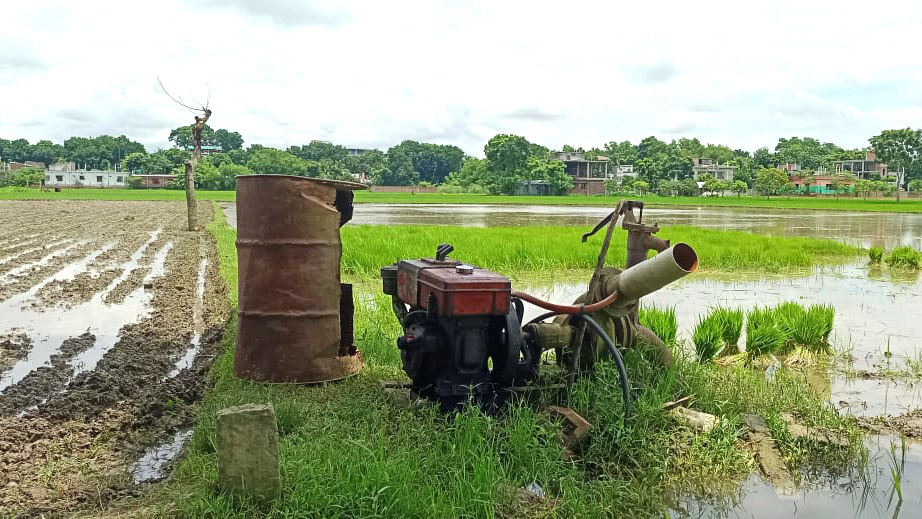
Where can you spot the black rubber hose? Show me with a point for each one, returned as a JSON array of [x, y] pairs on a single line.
[[542, 317], [622, 373]]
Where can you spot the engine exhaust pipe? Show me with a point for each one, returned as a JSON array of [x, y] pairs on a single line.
[[653, 274]]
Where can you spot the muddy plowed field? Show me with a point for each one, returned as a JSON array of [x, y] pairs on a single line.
[[110, 315]]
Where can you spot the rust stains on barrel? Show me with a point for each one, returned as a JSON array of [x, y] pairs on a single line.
[[289, 252]]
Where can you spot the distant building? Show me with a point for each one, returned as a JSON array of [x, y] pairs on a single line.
[[702, 166], [862, 168], [355, 152], [823, 184], [63, 166], [588, 175], [206, 150], [155, 181], [13, 166], [84, 178]]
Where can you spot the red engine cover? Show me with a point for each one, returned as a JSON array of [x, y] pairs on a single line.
[[480, 293]]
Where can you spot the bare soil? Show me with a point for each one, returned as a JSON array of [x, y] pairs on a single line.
[[91, 330]]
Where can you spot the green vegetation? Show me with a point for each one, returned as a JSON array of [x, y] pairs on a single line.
[[348, 451], [875, 254], [805, 327], [730, 322], [904, 258], [763, 336], [661, 321], [707, 338], [512, 250]]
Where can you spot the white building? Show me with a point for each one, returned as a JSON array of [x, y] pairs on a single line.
[[83, 178]]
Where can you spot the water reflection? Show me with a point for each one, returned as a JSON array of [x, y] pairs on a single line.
[[858, 228], [872, 494]]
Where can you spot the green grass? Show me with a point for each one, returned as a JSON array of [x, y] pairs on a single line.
[[875, 254], [842, 204], [707, 338], [904, 258], [730, 322], [517, 250], [661, 321], [347, 451]]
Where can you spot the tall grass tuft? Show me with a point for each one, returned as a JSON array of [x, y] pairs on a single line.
[[730, 321], [661, 321], [825, 314], [875, 254], [763, 336], [904, 258], [708, 338], [805, 327]]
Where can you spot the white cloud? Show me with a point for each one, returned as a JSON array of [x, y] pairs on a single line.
[[370, 73]]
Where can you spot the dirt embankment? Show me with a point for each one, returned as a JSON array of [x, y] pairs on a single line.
[[89, 353]]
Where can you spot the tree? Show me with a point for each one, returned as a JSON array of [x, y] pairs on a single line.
[[763, 158], [863, 186], [650, 147], [641, 187], [900, 149], [28, 176], [739, 187], [270, 161], [842, 183], [772, 181], [621, 153], [915, 185], [551, 171], [670, 187], [228, 140], [473, 172]]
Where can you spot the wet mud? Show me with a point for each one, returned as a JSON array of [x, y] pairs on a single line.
[[95, 342]]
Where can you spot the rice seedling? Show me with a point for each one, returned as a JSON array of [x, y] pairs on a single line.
[[511, 251], [731, 326], [875, 254], [763, 336], [825, 314], [661, 321], [904, 258], [708, 338]]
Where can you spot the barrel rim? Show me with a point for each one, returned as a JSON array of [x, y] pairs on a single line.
[[336, 184]]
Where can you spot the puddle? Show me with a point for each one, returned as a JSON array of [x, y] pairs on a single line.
[[135, 307], [49, 330], [870, 495], [152, 466], [198, 321], [41, 262]]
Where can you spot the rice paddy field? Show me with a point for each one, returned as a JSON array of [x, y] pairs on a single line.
[[804, 350]]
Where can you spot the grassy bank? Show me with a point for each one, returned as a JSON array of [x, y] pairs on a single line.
[[347, 451], [523, 250], [830, 204]]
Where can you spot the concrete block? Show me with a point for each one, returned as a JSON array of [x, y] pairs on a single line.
[[248, 450]]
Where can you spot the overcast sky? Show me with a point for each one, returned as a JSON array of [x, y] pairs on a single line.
[[372, 73]]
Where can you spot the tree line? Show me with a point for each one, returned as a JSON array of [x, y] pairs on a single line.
[[509, 161]]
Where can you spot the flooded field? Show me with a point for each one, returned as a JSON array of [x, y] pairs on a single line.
[[892, 463], [107, 310], [876, 323], [855, 228]]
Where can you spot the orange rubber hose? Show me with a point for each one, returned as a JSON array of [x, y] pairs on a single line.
[[566, 309]]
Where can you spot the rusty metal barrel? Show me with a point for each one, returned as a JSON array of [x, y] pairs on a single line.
[[290, 326]]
